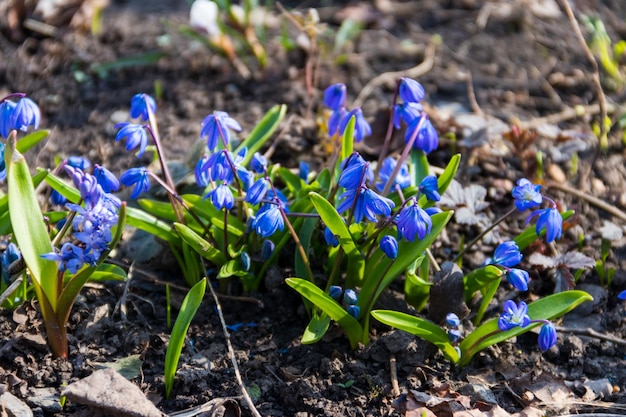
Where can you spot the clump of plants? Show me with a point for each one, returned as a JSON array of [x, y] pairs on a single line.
[[367, 223]]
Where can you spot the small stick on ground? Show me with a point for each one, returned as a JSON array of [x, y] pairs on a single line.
[[592, 333], [393, 371], [601, 204]]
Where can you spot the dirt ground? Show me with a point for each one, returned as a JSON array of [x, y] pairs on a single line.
[[485, 66]]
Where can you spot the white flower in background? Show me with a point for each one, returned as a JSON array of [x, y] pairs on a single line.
[[203, 17]]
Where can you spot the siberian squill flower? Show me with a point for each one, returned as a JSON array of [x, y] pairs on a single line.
[[402, 179], [303, 171], [330, 238], [507, 254], [257, 192], [70, 258], [427, 138], [430, 188], [413, 221], [513, 316], [547, 336], [550, 220], [389, 246], [366, 204], [10, 255], [6, 113], [139, 177], [216, 126], [354, 310], [452, 320], [136, 136], [267, 249], [335, 96], [355, 172], [268, 220], [79, 162], [407, 112], [622, 295], [222, 197], [335, 291], [107, 180], [139, 105], [411, 91], [26, 113], [518, 278], [526, 194], [258, 163], [361, 127], [350, 297]]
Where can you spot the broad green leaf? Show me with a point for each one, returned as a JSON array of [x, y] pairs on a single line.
[[419, 327], [324, 302], [108, 272], [547, 308], [31, 140], [148, 223], [232, 268], [347, 140], [200, 245], [316, 329], [419, 166], [188, 310], [481, 277], [262, 131]]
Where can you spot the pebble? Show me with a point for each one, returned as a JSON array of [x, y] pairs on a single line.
[[13, 406], [556, 173], [45, 398], [599, 294]]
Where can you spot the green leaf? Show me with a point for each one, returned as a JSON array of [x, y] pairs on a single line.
[[66, 190], [108, 272], [419, 327], [5, 220], [481, 277], [444, 180], [347, 140], [293, 181], [232, 268], [200, 245], [148, 223], [31, 140], [206, 210], [262, 131], [305, 233], [547, 308], [328, 305], [316, 329], [419, 166], [188, 310]]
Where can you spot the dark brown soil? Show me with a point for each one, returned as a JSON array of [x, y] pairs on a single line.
[[525, 63]]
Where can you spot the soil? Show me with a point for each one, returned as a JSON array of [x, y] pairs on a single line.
[[522, 61]]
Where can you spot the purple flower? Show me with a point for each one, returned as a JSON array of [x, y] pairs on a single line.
[[430, 188], [331, 238], [222, 197], [335, 96], [26, 113], [402, 179], [6, 113], [550, 220], [139, 105], [139, 177], [258, 163], [526, 194], [413, 221], [257, 192], [70, 258], [355, 171], [368, 204], [268, 220], [507, 254], [547, 336], [136, 136], [411, 90], [407, 112], [389, 245], [361, 127], [427, 138], [216, 126], [513, 316], [518, 278], [107, 180]]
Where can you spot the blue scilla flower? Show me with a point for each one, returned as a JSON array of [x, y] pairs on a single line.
[[107, 180], [427, 138], [366, 204], [507, 254], [335, 96], [354, 172], [389, 246], [361, 127], [454, 335], [550, 220], [452, 320], [350, 297], [139, 105], [135, 135], [518, 278], [201, 173], [267, 249], [268, 220], [335, 291], [6, 113], [245, 260], [216, 126], [407, 112], [26, 113], [258, 163], [410, 90], [513, 316], [70, 258], [334, 121], [402, 179], [79, 162], [257, 192], [547, 336], [622, 295], [331, 238], [3, 167], [430, 188], [57, 198], [413, 221], [526, 194], [10, 255], [303, 171], [222, 197], [139, 177], [354, 311]]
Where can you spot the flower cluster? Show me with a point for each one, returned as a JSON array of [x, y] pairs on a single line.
[[349, 300], [453, 326], [527, 196], [516, 315], [419, 128], [93, 220], [506, 256], [18, 116], [335, 100]]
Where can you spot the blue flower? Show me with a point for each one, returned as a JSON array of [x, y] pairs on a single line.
[[407, 112], [26, 113], [411, 90], [10, 255], [57, 198], [222, 197], [216, 126], [267, 249], [354, 311], [507, 254], [258, 163], [201, 172], [139, 177], [547, 336], [402, 179], [526, 194], [355, 171], [389, 245], [3, 167], [452, 320], [430, 188], [70, 258], [413, 221], [136, 136], [79, 162], [331, 238], [335, 291], [513, 316], [107, 180], [139, 105], [454, 335], [303, 171], [549, 219], [361, 127], [268, 220], [245, 260], [257, 192], [427, 138], [350, 297], [622, 295], [518, 278], [6, 113], [334, 120], [335, 96], [368, 204]]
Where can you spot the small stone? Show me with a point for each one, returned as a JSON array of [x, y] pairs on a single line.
[[13, 406], [556, 173], [602, 388], [599, 294]]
